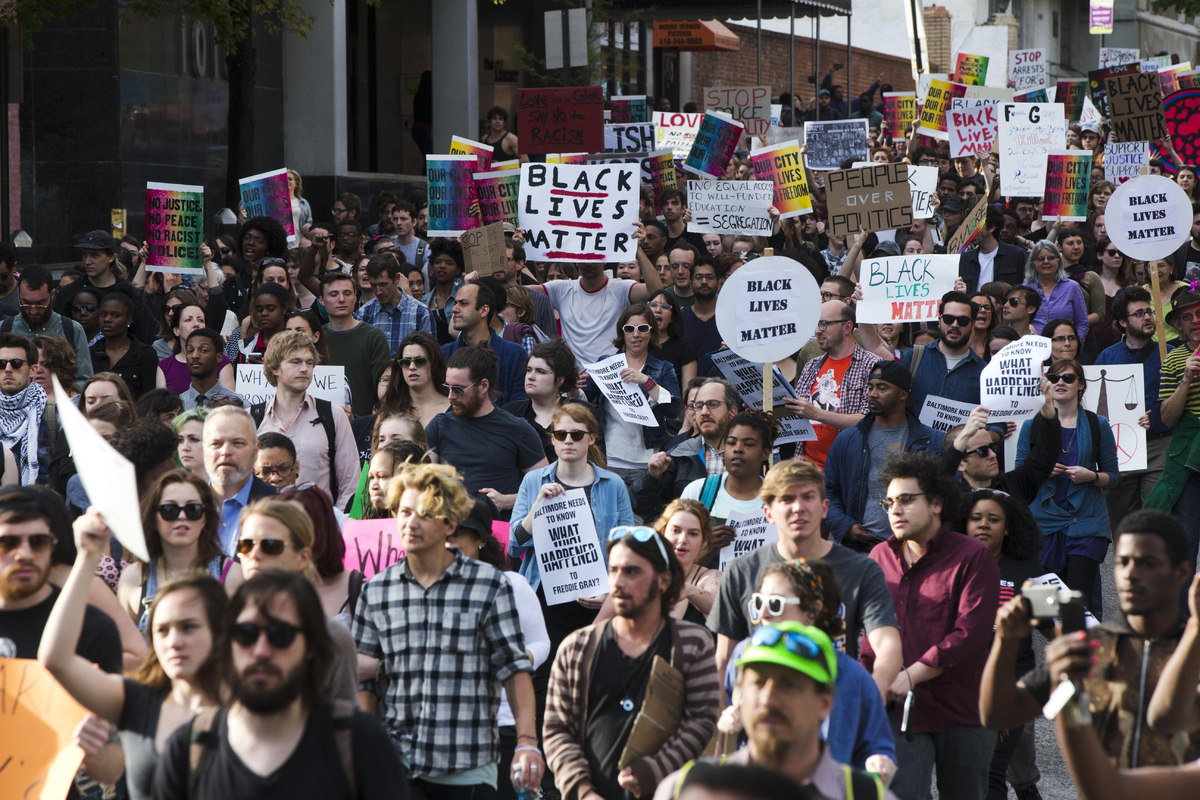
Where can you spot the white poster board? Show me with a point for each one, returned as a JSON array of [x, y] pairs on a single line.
[[749, 105], [1148, 217], [676, 132], [753, 531], [627, 398], [1028, 131], [1118, 56], [747, 378], [1124, 161], [629, 137], [905, 288], [1011, 383], [942, 414], [1051, 579], [1122, 389], [730, 207], [569, 554], [579, 212], [768, 309], [328, 383], [922, 182], [1027, 69], [972, 124]]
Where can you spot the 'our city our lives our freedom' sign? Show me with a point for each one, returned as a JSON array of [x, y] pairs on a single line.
[[874, 198], [561, 120], [568, 551], [782, 165], [730, 207], [1011, 383], [751, 531], [498, 192], [1068, 176], [579, 212], [1028, 132], [174, 228], [905, 288], [749, 105], [266, 195], [450, 187]]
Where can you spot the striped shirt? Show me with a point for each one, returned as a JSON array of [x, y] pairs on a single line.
[[1172, 374]]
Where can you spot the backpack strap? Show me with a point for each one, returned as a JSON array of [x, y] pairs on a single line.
[[860, 784], [915, 364], [1094, 425], [258, 412], [51, 418], [6, 325], [343, 713], [354, 590], [325, 414], [199, 739], [708, 495]]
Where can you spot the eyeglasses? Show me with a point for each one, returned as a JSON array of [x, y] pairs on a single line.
[[902, 500], [171, 511], [1013, 302], [773, 603], [561, 436], [711, 405], [705, 278], [795, 643], [1145, 312], [827, 296], [280, 635], [1064, 339], [38, 543], [1067, 377], [458, 391], [982, 452], [270, 547], [419, 361], [17, 363], [950, 319], [88, 307], [1187, 319], [822, 324], [660, 306], [36, 305], [267, 472], [643, 328], [642, 534]]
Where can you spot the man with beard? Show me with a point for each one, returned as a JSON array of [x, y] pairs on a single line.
[[35, 290], [598, 682], [24, 429], [459, 436], [700, 319], [655, 240], [349, 241], [278, 737], [203, 351], [442, 658], [475, 306], [785, 679], [230, 450], [992, 260]]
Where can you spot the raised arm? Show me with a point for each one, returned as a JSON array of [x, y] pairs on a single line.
[[650, 280], [1175, 706]]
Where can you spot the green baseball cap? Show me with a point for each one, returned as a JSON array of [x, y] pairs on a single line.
[[789, 644]]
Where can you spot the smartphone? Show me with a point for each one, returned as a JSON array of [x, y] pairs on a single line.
[[1051, 602]]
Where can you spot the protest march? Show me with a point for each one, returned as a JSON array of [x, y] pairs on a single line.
[[646, 412]]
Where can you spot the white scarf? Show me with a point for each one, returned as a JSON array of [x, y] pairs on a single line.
[[21, 421]]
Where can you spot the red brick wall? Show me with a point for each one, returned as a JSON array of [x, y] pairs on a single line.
[[740, 68]]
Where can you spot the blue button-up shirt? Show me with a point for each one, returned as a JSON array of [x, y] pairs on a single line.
[[231, 514], [398, 321], [1121, 353]]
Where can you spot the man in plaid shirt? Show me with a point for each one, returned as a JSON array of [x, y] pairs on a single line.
[[393, 310], [446, 633]]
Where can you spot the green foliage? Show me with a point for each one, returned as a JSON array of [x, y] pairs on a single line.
[[1172, 7]]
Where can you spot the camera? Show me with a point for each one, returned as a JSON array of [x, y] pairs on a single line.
[[1053, 602]]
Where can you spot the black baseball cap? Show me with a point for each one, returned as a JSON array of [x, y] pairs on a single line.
[[97, 240], [894, 373]]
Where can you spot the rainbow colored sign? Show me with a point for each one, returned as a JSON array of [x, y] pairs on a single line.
[[900, 111], [715, 143], [466, 147], [566, 158], [937, 104], [660, 166], [266, 195], [497, 193], [451, 193], [1068, 177], [629, 108], [174, 228], [970, 70], [783, 166], [1070, 93], [512, 163]]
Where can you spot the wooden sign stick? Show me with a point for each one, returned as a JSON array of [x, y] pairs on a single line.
[[768, 379], [1160, 324]]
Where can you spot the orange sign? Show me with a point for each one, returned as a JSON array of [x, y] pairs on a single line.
[[37, 719], [695, 36]]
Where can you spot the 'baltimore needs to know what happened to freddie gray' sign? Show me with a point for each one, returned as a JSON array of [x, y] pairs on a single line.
[[568, 550], [628, 399], [579, 212], [1011, 383]]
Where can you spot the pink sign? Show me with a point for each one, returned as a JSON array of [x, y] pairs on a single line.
[[373, 545]]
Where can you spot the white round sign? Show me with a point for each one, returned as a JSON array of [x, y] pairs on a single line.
[[1148, 217], [768, 309]]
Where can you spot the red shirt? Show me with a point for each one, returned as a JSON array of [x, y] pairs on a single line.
[[826, 392], [946, 606]]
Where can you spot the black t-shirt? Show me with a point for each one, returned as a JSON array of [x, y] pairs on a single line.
[[21, 632], [616, 688], [696, 240], [676, 352], [704, 338], [313, 770]]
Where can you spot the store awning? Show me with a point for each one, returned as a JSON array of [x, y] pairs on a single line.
[[666, 10], [696, 36]]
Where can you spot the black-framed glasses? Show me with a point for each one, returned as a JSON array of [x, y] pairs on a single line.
[[38, 542], [88, 307], [561, 436], [17, 363], [697, 405], [268, 472], [458, 391], [902, 500], [1070, 337], [270, 547], [418, 361], [1067, 377], [1145, 312], [822, 324], [280, 635], [643, 328], [171, 511], [827, 296], [962, 321]]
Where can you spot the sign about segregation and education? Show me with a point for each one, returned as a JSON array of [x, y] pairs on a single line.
[[766, 309], [899, 111], [905, 288], [872, 198], [1011, 383], [561, 120], [831, 143], [749, 105], [783, 166], [568, 551], [1027, 133], [174, 228], [747, 378], [1148, 217], [627, 398], [731, 207], [751, 531], [579, 212]]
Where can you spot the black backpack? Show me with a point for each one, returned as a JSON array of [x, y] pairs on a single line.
[[258, 412]]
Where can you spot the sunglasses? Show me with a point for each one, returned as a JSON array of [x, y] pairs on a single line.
[[982, 452], [270, 547], [643, 328], [280, 635], [795, 643], [171, 511], [642, 534], [38, 543], [561, 436], [1067, 377], [962, 322], [17, 363], [458, 391], [902, 500], [419, 361], [773, 603], [88, 307], [1013, 301]]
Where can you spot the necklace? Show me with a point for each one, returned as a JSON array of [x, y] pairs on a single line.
[[1067, 444], [627, 704]]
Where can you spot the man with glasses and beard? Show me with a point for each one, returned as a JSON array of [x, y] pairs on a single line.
[[600, 674], [35, 291], [489, 447], [278, 738]]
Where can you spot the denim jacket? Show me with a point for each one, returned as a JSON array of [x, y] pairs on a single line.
[[960, 384], [664, 375], [610, 508]]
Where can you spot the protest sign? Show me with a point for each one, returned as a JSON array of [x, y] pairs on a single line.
[[972, 126], [970, 70], [500, 166], [660, 166], [1070, 93], [714, 145], [874, 198], [372, 545], [460, 146], [1050, 579], [566, 158], [174, 228], [660, 714], [628, 108], [1148, 217], [1125, 160], [752, 531], [1155, 63], [747, 378], [1032, 96], [1189, 80], [579, 212], [497, 193], [629, 399], [731, 207], [972, 224], [1168, 78], [925, 79], [778, 135], [1011, 383], [1028, 131], [106, 475], [39, 757], [1116, 392], [1118, 56], [266, 195], [483, 249], [831, 143], [905, 288], [451, 191], [1089, 113], [937, 103], [328, 383], [922, 183], [749, 105], [942, 414], [762, 305], [568, 551], [997, 93], [676, 132], [1068, 176], [899, 111], [1098, 85], [1027, 69], [632, 137], [782, 165], [553, 120], [1135, 103]]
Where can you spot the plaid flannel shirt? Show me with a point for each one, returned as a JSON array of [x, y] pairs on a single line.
[[853, 394], [444, 652], [408, 316]]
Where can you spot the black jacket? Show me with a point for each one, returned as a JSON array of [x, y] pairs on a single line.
[[649, 494], [1027, 478], [1009, 266]]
